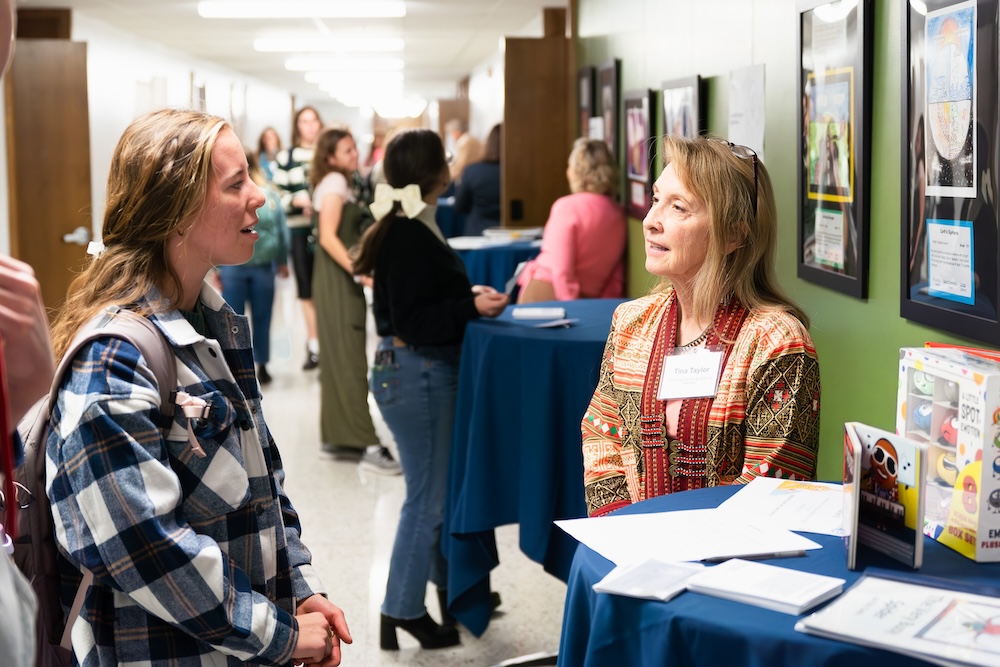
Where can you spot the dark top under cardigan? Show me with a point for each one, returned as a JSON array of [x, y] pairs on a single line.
[[421, 291]]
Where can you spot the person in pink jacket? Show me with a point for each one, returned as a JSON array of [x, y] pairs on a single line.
[[583, 246]]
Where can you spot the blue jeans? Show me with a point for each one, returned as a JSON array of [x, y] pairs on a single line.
[[416, 391], [256, 285]]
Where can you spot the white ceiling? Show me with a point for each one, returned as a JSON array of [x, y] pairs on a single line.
[[444, 39]]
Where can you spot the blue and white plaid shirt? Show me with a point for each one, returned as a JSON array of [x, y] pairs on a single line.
[[197, 560]]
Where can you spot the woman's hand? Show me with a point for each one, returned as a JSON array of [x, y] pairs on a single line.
[[491, 304], [483, 289], [321, 621], [24, 328]]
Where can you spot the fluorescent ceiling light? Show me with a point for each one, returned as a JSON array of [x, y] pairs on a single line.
[[299, 9], [328, 43], [835, 12], [343, 64], [336, 77]]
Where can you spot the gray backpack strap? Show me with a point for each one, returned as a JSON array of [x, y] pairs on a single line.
[[154, 348]]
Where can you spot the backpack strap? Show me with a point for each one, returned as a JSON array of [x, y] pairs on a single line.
[[154, 348]]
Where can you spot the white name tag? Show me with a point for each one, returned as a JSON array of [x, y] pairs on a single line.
[[690, 374]]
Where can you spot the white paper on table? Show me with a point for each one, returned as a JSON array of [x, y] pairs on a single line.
[[769, 586], [649, 580], [684, 535], [476, 242], [808, 507]]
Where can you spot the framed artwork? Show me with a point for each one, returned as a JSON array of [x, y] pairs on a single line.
[[585, 97], [683, 107], [607, 87], [638, 152], [835, 48], [948, 259]]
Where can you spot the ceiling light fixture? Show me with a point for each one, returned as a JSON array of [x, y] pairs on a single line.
[[327, 44], [337, 64], [336, 77], [299, 9]]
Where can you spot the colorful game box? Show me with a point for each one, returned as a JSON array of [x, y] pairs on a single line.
[[950, 399]]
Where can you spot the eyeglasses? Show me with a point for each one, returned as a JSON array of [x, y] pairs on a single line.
[[745, 153]]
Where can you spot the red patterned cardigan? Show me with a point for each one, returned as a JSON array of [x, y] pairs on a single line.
[[764, 420]]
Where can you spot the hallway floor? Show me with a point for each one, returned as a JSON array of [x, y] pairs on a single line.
[[349, 520]]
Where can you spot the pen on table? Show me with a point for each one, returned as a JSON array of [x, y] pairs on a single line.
[[760, 556]]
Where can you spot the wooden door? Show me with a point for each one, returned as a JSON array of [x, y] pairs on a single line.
[[48, 143], [539, 123]]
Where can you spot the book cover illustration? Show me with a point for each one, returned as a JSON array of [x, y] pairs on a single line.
[[968, 624], [889, 493]]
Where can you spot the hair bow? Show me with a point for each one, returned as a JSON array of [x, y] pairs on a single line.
[[386, 195]]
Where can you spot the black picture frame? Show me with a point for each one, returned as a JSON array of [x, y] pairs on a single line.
[[585, 98], [683, 105], [639, 151], [609, 97], [834, 123], [948, 259]]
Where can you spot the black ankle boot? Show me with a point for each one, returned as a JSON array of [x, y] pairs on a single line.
[[423, 629], [447, 618]]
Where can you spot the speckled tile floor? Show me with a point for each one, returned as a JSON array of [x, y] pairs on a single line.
[[349, 521]]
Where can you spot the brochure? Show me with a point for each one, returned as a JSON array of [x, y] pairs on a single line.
[[934, 623]]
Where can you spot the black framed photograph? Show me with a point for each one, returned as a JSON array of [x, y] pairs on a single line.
[[683, 107], [607, 87], [835, 49], [585, 97], [638, 152], [948, 258]]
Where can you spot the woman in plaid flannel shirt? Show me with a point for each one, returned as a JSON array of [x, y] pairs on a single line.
[[193, 544]]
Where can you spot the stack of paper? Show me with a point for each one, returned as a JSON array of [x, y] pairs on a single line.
[[940, 625], [538, 313], [767, 586], [651, 580]]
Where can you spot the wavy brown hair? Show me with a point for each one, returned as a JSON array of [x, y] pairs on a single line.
[[326, 145], [158, 180], [724, 182]]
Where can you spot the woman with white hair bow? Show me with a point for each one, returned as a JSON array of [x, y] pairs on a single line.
[[422, 302]]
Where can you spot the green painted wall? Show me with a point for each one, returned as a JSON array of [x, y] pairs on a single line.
[[858, 341]]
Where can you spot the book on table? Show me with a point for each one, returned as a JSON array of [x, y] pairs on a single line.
[[769, 586], [946, 623], [884, 491]]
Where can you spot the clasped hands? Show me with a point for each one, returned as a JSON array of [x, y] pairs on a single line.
[[322, 627]]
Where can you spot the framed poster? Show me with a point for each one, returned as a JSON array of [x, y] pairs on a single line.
[[585, 97], [948, 259], [607, 87], [638, 152], [683, 107], [835, 48]]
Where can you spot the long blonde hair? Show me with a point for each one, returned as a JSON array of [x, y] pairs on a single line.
[[723, 177], [158, 180]]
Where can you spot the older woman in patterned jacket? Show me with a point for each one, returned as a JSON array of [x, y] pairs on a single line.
[[711, 379], [193, 544]]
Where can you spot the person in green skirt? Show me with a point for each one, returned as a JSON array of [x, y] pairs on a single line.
[[346, 425]]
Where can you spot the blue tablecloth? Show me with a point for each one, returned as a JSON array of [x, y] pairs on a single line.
[[494, 265], [449, 221], [516, 455], [692, 629]]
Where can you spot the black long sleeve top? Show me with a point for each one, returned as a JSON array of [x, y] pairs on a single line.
[[421, 291]]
